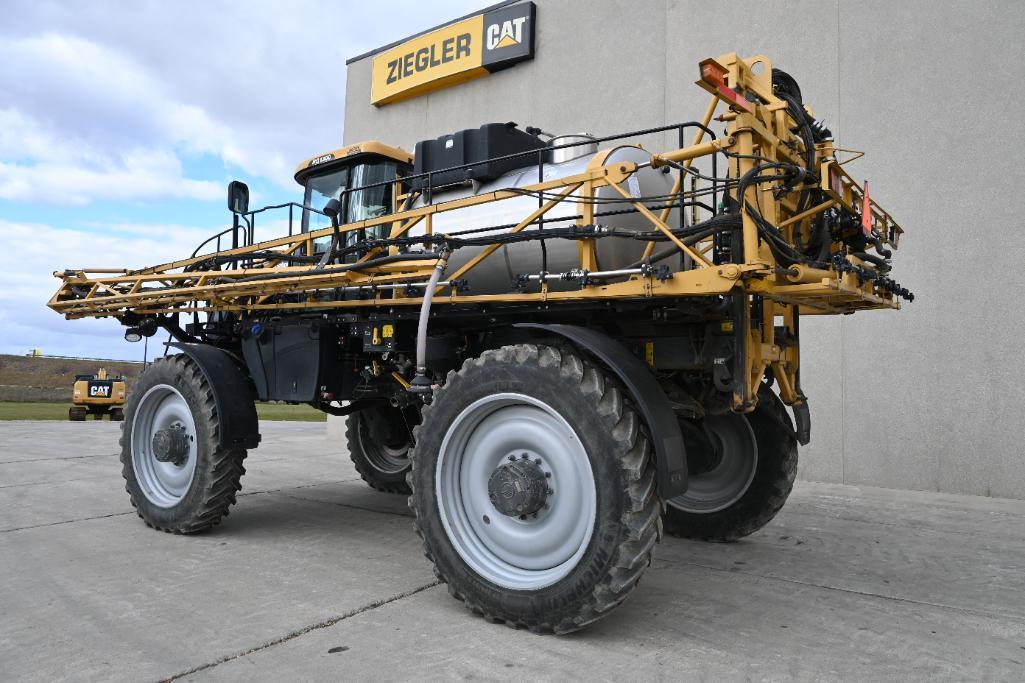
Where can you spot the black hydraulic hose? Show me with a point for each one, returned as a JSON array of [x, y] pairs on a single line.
[[354, 407], [800, 116], [880, 263], [175, 331], [752, 176], [452, 242], [886, 253], [825, 240], [696, 233], [380, 261]]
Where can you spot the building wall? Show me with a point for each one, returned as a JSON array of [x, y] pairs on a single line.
[[931, 397]]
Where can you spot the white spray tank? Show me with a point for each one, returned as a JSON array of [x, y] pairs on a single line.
[[498, 272]]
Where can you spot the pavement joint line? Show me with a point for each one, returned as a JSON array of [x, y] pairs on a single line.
[[119, 514], [354, 507], [303, 631], [98, 477], [900, 525], [67, 457], [65, 521], [852, 591]]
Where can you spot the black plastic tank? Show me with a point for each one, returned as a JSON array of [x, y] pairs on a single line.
[[474, 146]]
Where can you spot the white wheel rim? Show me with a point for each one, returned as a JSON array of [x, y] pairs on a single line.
[[727, 483], [163, 483], [515, 553], [384, 458]]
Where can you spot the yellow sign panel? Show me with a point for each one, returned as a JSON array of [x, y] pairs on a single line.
[[453, 54], [430, 61]]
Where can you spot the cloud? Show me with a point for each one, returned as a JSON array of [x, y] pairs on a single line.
[[107, 99], [137, 174], [115, 100], [37, 250], [99, 129]]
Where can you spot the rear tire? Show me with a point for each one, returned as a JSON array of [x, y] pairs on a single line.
[[193, 491], [765, 493], [569, 563], [379, 441], [77, 414], [117, 415]]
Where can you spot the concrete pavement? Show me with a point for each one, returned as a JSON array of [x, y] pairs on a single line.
[[315, 576]]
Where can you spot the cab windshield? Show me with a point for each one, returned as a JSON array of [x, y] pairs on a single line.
[[357, 205]]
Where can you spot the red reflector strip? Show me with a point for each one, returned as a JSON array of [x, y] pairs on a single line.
[[866, 212], [734, 97]]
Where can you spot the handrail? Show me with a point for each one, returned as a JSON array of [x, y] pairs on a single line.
[[531, 152]]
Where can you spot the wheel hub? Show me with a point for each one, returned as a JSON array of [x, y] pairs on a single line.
[[171, 445], [724, 465], [518, 487]]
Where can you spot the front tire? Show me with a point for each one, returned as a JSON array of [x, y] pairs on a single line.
[[566, 533], [177, 475]]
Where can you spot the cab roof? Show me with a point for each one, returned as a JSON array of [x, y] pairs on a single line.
[[349, 154]]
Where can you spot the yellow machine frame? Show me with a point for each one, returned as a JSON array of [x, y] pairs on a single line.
[[758, 128]]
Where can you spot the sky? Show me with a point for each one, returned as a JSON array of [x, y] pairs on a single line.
[[121, 124]]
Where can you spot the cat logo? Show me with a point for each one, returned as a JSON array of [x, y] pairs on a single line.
[[99, 391], [455, 53], [506, 34]]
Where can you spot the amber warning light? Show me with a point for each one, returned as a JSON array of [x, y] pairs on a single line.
[[713, 73]]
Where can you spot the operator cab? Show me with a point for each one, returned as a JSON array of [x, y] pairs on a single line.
[[335, 175]]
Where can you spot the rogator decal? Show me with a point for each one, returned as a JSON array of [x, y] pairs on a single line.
[[467, 49]]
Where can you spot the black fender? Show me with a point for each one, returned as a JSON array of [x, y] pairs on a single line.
[[233, 395], [647, 395]]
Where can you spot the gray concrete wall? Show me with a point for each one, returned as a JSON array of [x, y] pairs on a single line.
[[931, 397]]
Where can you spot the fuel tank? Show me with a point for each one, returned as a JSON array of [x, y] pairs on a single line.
[[498, 272]]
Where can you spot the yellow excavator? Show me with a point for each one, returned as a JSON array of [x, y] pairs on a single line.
[[98, 395]]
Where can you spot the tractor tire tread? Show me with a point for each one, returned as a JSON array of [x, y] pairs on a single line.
[[224, 465], [640, 523]]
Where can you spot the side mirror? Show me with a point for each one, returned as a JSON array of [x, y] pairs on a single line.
[[331, 209], [238, 197]]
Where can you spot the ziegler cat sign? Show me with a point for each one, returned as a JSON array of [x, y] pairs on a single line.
[[459, 52]]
